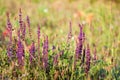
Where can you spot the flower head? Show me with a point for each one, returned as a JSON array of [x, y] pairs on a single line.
[[45, 52], [32, 52], [88, 58], [20, 20], [24, 31], [79, 43], [20, 51], [9, 30], [28, 24]]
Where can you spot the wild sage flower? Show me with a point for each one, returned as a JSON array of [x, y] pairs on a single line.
[[9, 52], [20, 20], [32, 52], [80, 38], [24, 31], [9, 27], [45, 52], [83, 56], [88, 58], [20, 51], [83, 37], [79, 43], [53, 47], [28, 24]]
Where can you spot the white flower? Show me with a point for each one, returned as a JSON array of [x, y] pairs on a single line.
[[45, 10]]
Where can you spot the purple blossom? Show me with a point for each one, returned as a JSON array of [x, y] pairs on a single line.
[[32, 52], [53, 47], [80, 38], [20, 51], [83, 37], [45, 52], [83, 57], [79, 43], [9, 52], [24, 31], [81, 32], [20, 20], [28, 24], [88, 58], [9, 27]]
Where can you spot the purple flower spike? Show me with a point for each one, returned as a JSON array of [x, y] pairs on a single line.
[[28, 24], [9, 27], [88, 58], [9, 52], [45, 52], [24, 31], [20, 51], [80, 37], [53, 47], [81, 32], [79, 43], [32, 52], [20, 20], [83, 37], [83, 57], [18, 34]]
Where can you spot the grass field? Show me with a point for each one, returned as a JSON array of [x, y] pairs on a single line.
[[59, 40]]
